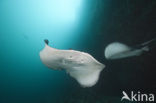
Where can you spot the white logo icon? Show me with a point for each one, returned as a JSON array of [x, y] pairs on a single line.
[[138, 96], [125, 96]]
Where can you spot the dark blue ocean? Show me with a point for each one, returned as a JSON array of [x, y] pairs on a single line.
[[83, 25]]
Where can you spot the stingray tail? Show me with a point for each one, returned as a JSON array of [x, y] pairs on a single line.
[[146, 48], [148, 45], [149, 42]]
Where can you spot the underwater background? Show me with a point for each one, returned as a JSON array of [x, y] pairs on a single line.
[[83, 25]]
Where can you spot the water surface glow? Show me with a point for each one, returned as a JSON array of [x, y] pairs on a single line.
[[24, 26]]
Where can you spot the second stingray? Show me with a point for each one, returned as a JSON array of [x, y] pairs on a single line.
[[117, 50]]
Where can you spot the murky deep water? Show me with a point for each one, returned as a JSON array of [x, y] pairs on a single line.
[[87, 26]]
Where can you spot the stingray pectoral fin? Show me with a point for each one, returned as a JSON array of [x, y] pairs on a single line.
[[86, 76], [49, 57], [115, 50]]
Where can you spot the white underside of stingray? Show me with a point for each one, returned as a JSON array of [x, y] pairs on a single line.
[[81, 66], [118, 50]]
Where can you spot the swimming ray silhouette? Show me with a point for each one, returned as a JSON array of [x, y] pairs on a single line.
[[117, 50], [79, 65]]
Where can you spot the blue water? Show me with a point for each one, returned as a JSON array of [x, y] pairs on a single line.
[[23, 27], [84, 25]]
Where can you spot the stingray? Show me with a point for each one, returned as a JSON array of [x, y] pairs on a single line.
[[80, 65], [117, 50]]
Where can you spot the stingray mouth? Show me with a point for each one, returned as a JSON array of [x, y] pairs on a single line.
[[72, 64], [73, 61]]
